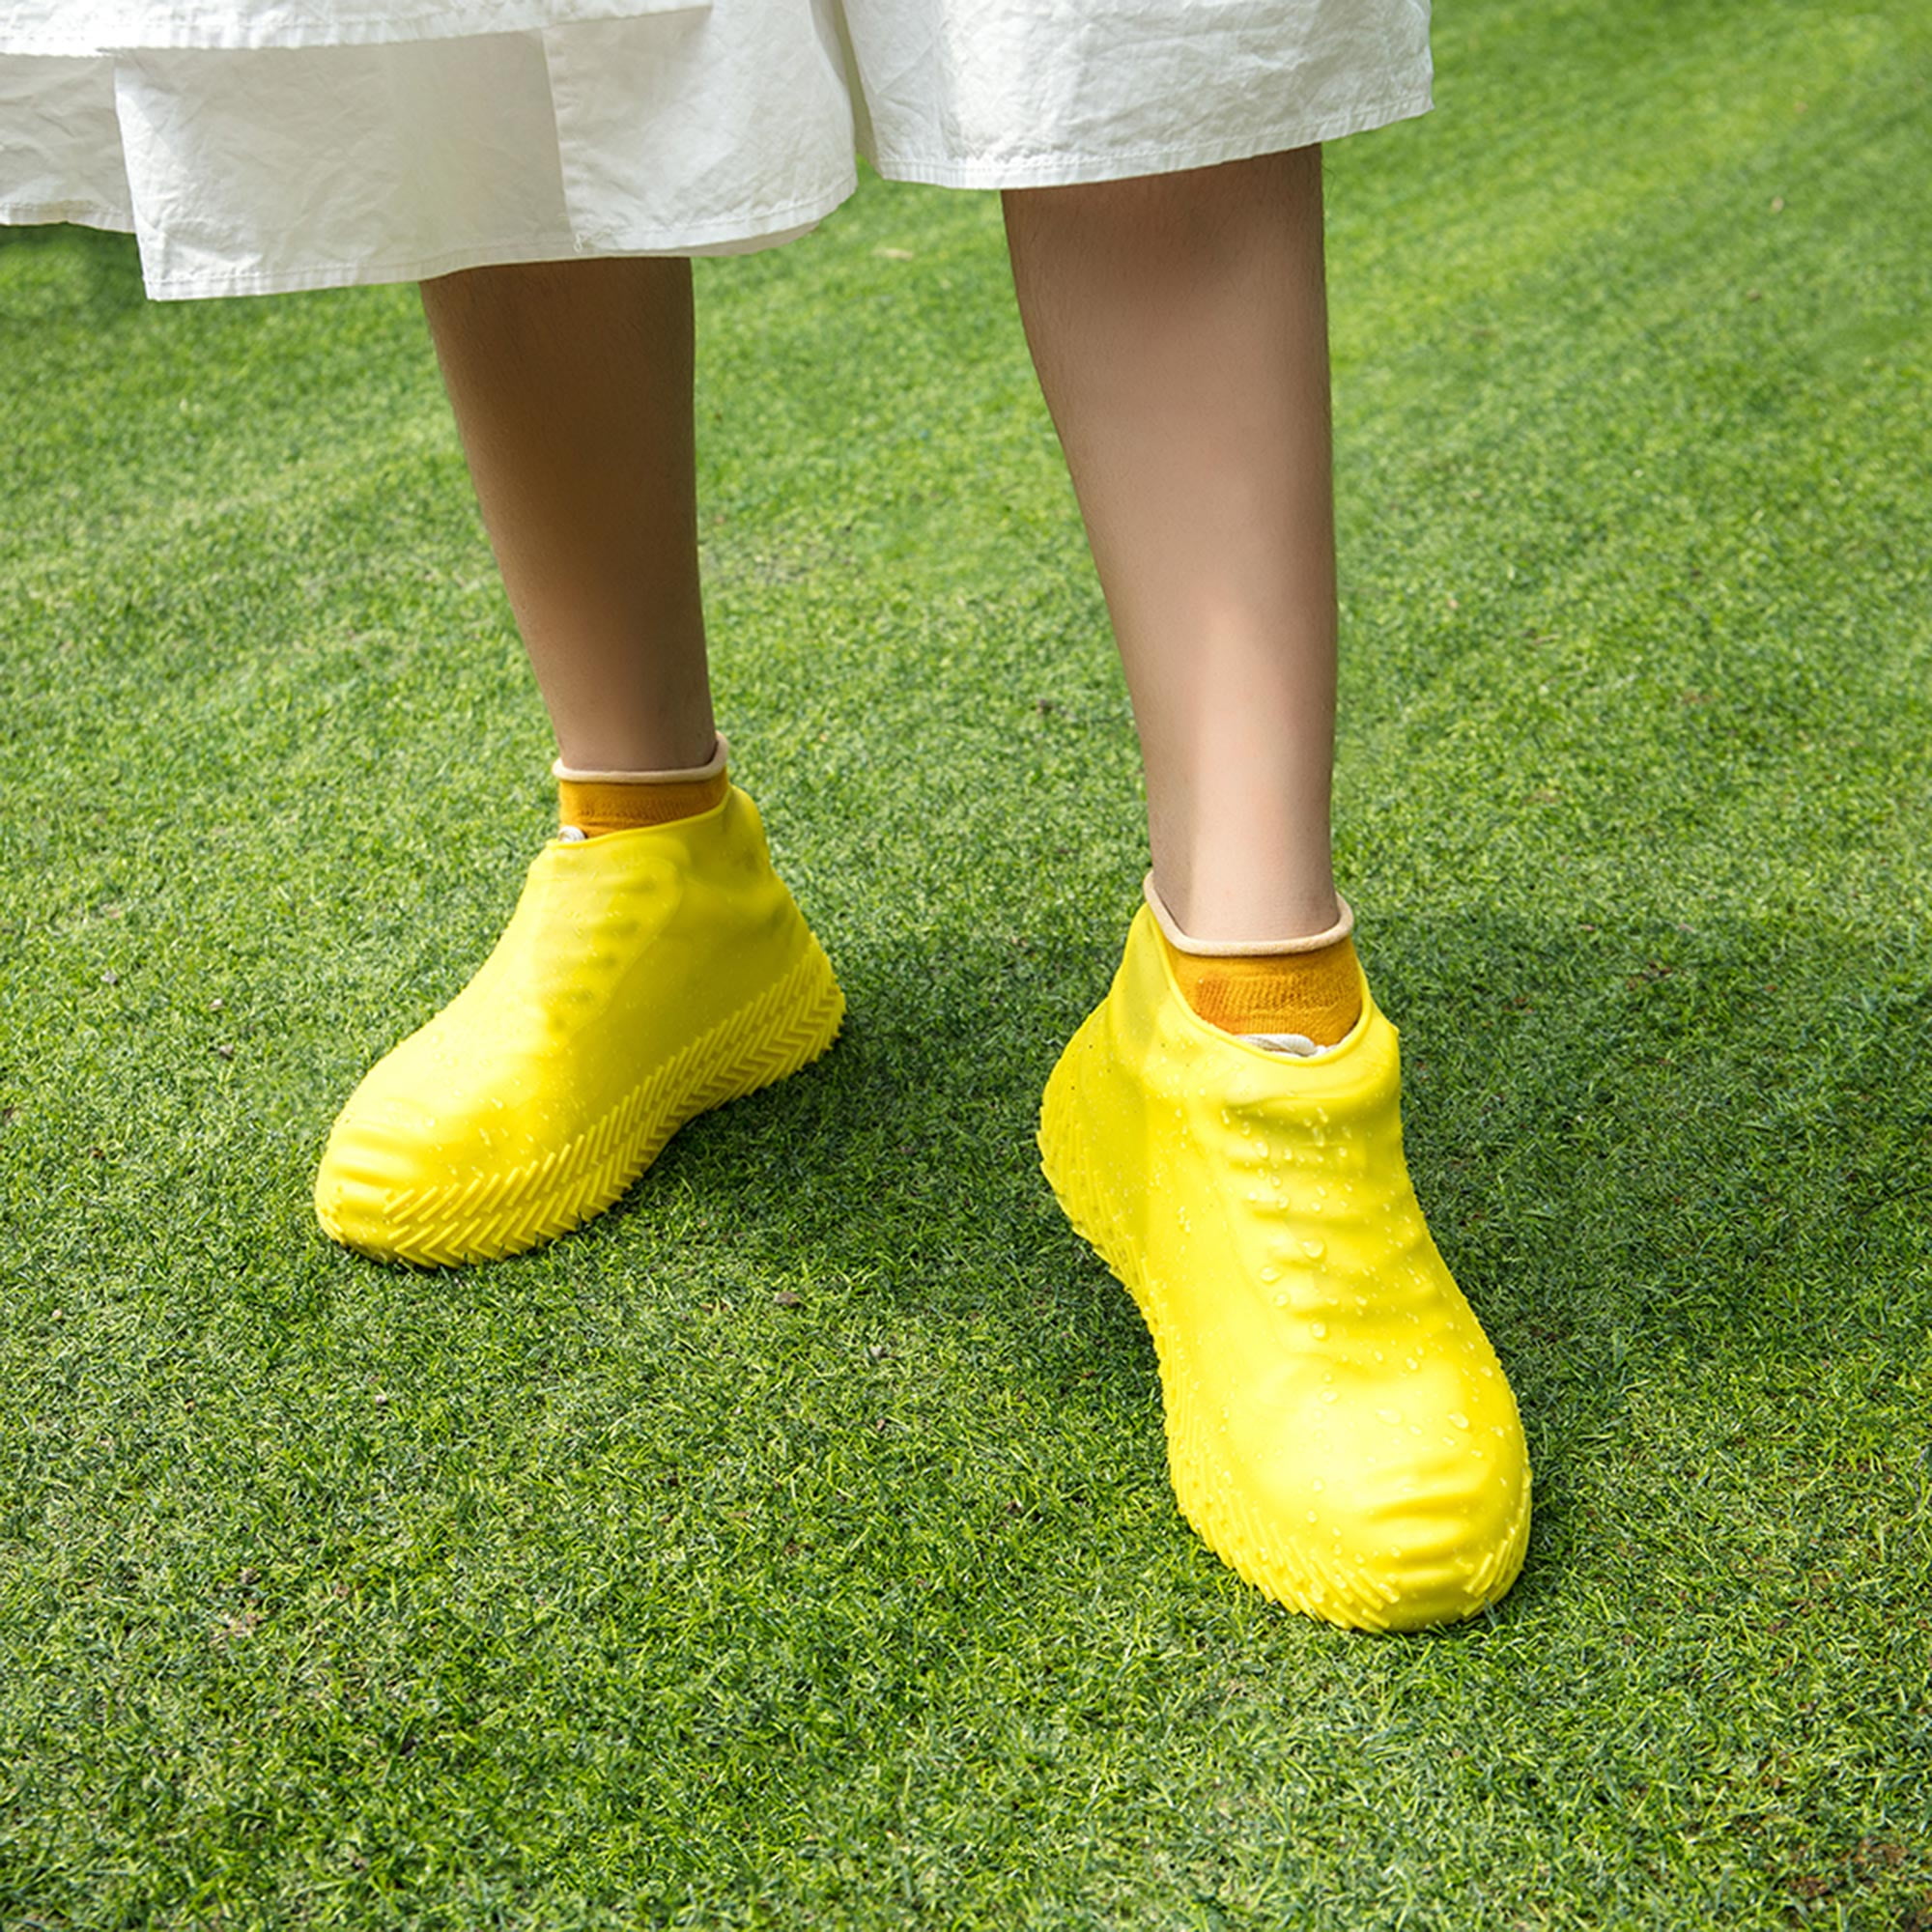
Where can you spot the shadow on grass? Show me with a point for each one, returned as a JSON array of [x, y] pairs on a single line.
[[1633, 1144]]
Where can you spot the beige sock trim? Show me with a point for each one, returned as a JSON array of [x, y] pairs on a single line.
[[1242, 949], [690, 774]]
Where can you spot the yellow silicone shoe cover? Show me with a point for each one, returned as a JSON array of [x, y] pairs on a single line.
[[1339, 1429], [645, 977]]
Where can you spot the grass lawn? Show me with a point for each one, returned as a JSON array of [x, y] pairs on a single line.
[[792, 1546]]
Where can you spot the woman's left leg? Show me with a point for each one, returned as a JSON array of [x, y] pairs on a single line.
[[1179, 324], [1224, 1129]]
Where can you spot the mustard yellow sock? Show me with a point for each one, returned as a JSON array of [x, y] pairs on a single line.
[[591, 804], [1308, 986]]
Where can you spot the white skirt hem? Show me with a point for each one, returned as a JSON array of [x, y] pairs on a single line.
[[83, 214], [765, 228], [771, 230], [1024, 171]]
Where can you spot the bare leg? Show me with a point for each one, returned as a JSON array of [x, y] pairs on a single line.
[[646, 975], [1179, 324], [1342, 1432], [572, 387]]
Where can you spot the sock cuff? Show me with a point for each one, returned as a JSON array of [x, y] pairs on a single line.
[[1244, 949], [713, 767], [591, 804], [1315, 995]]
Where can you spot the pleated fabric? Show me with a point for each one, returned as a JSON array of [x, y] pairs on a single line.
[[256, 146]]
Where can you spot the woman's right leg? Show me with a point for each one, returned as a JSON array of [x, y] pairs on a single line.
[[572, 387], [656, 966]]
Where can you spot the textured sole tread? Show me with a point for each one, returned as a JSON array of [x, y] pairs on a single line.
[[788, 1026]]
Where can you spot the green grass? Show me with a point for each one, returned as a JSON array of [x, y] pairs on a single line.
[[791, 1546]]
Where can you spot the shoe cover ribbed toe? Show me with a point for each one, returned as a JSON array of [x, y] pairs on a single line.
[[644, 976], [1339, 1429]]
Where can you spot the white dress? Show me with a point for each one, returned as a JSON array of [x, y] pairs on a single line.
[[261, 145]]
